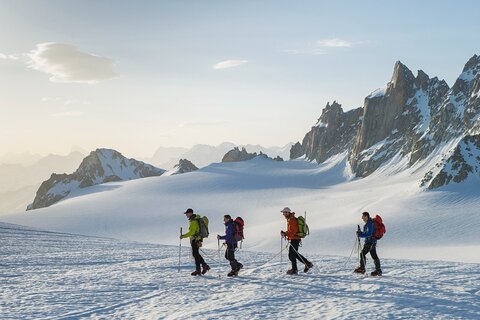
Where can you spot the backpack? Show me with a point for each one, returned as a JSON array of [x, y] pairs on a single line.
[[303, 229], [380, 229], [238, 223], [203, 224]]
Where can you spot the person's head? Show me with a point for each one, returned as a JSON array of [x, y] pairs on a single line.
[[286, 212], [227, 218], [189, 213], [365, 216]]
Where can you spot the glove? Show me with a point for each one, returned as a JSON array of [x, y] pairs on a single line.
[[218, 237], [359, 233], [282, 233]]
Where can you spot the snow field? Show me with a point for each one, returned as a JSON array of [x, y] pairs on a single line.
[[61, 276]]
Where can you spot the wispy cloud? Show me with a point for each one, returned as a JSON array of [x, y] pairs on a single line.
[[321, 47], [65, 63], [229, 64], [9, 56], [334, 43], [67, 114], [310, 51]]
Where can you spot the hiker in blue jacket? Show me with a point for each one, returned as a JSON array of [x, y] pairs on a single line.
[[369, 246], [231, 242]]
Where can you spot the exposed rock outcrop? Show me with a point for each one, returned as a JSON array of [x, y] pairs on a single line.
[[461, 163], [333, 133], [242, 155], [183, 166]]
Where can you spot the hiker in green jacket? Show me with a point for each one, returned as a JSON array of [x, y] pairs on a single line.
[[196, 242]]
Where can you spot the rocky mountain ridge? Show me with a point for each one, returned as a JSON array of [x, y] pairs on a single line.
[[100, 166], [242, 155], [409, 118]]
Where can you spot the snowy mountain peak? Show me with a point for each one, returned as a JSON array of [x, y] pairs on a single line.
[[408, 120], [100, 166]]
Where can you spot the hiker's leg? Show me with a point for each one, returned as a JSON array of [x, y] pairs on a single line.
[[303, 259], [376, 260], [231, 256], [292, 253], [363, 258], [196, 254], [201, 260]]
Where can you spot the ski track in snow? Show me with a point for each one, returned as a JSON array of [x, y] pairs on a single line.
[[48, 275]]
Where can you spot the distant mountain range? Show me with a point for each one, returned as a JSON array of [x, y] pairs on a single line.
[[202, 155], [412, 122], [20, 181]]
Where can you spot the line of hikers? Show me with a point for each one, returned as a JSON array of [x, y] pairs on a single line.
[[296, 230]]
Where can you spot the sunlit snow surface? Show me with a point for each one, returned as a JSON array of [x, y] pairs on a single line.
[[423, 225], [46, 275]]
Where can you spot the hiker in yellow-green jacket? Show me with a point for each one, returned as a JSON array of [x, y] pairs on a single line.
[[196, 242]]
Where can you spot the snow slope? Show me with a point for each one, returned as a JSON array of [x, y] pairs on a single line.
[[62, 276], [438, 225]]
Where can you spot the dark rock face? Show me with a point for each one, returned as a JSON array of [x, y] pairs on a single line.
[[395, 119], [332, 134], [407, 120], [101, 166], [184, 166], [297, 151], [462, 163], [238, 155], [242, 155]]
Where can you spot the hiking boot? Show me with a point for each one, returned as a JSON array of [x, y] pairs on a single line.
[[205, 268], [232, 273], [196, 273], [308, 266], [292, 271], [359, 270], [376, 273]]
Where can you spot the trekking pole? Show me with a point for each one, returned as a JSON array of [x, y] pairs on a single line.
[[281, 253], [359, 246], [180, 250]]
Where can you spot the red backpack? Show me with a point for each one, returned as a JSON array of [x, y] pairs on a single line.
[[380, 229], [238, 223]]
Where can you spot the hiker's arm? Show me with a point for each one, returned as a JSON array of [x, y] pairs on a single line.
[[368, 230], [193, 228], [292, 228], [228, 233]]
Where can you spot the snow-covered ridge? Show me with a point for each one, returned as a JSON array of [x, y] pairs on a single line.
[[101, 166]]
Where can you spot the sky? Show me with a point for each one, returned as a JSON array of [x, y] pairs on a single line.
[[135, 76]]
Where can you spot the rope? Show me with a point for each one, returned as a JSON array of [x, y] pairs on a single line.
[[354, 248], [301, 259], [209, 256]]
